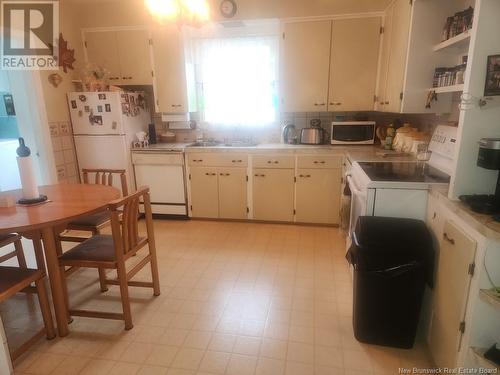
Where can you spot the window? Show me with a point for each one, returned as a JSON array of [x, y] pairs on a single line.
[[237, 77]]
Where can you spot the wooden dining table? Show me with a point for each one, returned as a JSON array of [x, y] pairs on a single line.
[[43, 222]]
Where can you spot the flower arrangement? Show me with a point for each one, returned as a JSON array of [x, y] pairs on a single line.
[[95, 78]]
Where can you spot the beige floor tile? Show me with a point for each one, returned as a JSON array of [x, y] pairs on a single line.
[[356, 360], [162, 355], [137, 352], [301, 334], [300, 352], [176, 371], [215, 362], [188, 359], [328, 356], [296, 368], [152, 370], [241, 365], [45, 364], [222, 342], [123, 368], [98, 367], [198, 339], [326, 370], [113, 350], [269, 366], [71, 365], [247, 345]]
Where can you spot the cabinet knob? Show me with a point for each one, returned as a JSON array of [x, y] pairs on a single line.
[[319, 162], [236, 161], [386, 103], [259, 175], [448, 238], [336, 103], [319, 104], [176, 105], [225, 174]]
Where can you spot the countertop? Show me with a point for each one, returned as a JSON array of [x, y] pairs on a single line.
[[352, 152], [483, 224]]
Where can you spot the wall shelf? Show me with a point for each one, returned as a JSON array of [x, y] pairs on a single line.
[[457, 41], [478, 354], [452, 88], [490, 297]]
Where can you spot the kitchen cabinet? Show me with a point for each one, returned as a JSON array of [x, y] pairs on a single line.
[[306, 61], [204, 192], [124, 53], [273, 194], [353, 64], [318, 196], [170, 80], [232, 193], [453, 279], [218, 185]]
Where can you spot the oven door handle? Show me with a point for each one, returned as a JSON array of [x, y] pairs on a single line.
[[354, 189]]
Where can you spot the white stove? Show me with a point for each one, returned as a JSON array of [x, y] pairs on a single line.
[[399, 189]]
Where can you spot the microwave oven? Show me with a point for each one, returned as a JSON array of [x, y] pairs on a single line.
[[353, 133]]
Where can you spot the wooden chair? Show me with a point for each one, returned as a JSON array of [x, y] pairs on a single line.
[[113, 251], [95, 223], [15, 280], [7, 239]]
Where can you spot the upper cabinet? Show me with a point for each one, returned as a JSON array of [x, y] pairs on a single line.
[[353, 64], [124, 53], [330, 65], [170, 71], [305, 65], [410, 31]]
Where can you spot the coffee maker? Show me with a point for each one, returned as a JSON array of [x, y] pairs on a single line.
[[488, 158]]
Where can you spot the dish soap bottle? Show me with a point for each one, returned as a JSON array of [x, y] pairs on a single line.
[[389, 139]]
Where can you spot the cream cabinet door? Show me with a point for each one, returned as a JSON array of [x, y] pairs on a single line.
[[273, 193], [135, 57], [318, 196], [232, 193], [102, 50], [397, 59], [204, 192], [353, 65], [457, 253], [382, 100], [305, 64], [169, 71]]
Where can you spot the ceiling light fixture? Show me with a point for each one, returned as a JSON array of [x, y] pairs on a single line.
[[190, 12]]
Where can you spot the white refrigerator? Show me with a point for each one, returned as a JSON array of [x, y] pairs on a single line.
[[105, 126]]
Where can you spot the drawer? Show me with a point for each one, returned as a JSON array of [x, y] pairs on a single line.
[[215, 159], [320, 161], [150, 158], [274, 161]]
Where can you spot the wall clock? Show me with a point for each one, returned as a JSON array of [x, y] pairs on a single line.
[[228, 8]]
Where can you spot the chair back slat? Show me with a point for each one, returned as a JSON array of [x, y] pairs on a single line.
[[126, 229], [105, 177]]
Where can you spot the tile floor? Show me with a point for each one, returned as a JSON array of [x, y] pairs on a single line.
[[237, 299]]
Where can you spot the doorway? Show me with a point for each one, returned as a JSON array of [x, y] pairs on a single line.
[[23, 114]]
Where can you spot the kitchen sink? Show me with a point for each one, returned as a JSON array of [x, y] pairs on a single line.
[[206, 144]]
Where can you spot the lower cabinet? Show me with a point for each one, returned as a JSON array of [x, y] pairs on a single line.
[[453, 277], [232, 193], [204, 192], [218, 192], [318, 196], [273, 193]]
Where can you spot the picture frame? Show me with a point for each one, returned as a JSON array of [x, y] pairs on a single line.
[[99, 108], [125, 98], [101, 96], [73, 104], [107, 107], [87, 108], [8, 101], [492, 81]]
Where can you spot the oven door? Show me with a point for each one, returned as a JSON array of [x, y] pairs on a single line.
[[359, 199]]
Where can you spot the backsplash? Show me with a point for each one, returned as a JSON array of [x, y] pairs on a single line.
[[64, 152], [272, 133]]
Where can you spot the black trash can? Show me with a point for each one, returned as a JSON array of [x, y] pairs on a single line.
[[393, 260]]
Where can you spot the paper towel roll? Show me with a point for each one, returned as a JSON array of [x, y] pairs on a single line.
[[28, 179]]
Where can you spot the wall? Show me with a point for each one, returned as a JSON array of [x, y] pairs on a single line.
[[133, 12], [55, 97]]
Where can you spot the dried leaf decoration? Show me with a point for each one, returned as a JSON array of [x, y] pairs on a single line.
[[66, 55]]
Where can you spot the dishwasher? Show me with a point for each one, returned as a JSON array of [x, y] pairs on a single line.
[[163, 172]]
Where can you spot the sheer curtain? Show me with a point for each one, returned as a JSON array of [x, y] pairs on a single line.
[[238, 80]]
